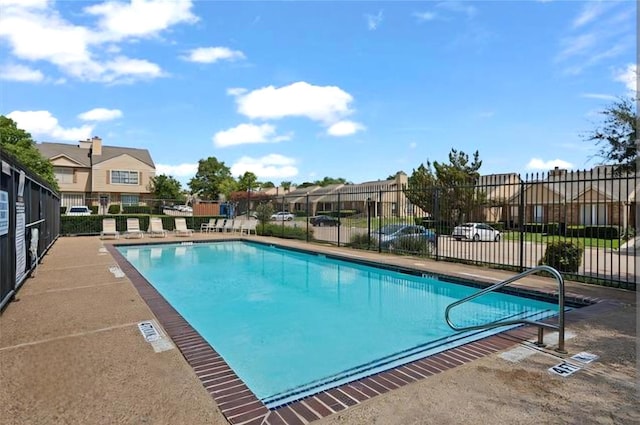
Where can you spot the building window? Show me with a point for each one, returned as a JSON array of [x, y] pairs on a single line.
[[593, 214], [538, 213], [64, 175], [124, 177], [72, 200], [129, 199]]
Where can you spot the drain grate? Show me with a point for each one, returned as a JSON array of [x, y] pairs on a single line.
[[148, 331]]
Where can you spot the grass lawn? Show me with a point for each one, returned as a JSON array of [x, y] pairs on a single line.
[[541, 238]]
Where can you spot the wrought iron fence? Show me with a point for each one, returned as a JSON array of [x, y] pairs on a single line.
[[29, 223], [583, 222]]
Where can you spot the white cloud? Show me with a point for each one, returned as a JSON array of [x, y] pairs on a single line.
[[247, 133], [589, 13], [140, 18], [539, 164], [36, 31], [20, 73], [270, 166], [599, 96], [100, 114], [425, 16], [236, 91], [413, 145], [319, 103], [180, 170], [344, 128], [42, 123], [213, 54], [458, 7], [629, 77], [373, 21]]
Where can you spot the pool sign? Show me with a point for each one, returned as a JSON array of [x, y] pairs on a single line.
[[4, 212], [584, 357], [148, 331], [564, 369]]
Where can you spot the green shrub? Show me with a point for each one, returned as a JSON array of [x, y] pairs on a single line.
[[136, 209], [548, 228], [94, 209], [114, 209], [63, 210], [283, 231], [413, 246], [92, 224], [497, 225], [563, 256], [361, 241]]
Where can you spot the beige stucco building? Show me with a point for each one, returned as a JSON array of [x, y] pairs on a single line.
[[89, 173]]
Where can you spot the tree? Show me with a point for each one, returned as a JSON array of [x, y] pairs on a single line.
[[267, 185], [326, 181], [212, 179], [19, 143], [286, 185], [617, 135], [166, 187], [447, 188], [247, 181]]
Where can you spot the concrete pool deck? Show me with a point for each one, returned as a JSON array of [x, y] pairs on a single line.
[[71, 352]]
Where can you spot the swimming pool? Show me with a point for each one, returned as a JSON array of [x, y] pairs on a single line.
[[291, 324]]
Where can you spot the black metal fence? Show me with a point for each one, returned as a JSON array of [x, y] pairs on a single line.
[[583, 223], [29, 223]]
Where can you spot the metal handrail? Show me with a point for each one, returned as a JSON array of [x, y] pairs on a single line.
[[541, 326]]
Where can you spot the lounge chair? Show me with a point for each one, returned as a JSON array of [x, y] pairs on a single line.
[[249, 226], [228, 226], [220, 225], [181, 228], [133, 229], [237, 225], [209, 226], [109, 229], [156, 229]]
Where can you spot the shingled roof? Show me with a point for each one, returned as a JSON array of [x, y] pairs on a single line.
[[81, 155]]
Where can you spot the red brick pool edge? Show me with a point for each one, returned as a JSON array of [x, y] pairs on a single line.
[[240, 406]]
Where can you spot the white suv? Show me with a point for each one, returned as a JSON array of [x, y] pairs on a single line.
[[282, 216], [78, 211]]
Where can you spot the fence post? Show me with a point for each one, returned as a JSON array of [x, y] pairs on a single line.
[[436, 208], [521, 223], [307, 217], [338, 226], [379, 220]]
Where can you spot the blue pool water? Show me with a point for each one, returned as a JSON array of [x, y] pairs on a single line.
[[291, 324]]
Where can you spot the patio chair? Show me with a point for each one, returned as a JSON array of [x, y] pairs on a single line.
[[237, 225], [109, 229], [228, 226], [156, 229], [181, 228], [219, 227], [249, 226], [209, 226], [133, 229]]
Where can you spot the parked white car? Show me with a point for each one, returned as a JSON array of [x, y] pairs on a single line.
[[78, 211], [282, 216], [476, 232]]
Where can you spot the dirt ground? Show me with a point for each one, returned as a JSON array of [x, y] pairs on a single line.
[[71, 353]]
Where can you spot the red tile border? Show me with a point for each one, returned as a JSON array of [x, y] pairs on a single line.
[[240, 406]]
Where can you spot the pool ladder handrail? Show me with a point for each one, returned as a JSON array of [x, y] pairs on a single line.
[[541, 325]]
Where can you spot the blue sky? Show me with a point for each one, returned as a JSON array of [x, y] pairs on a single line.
[[301, 90]]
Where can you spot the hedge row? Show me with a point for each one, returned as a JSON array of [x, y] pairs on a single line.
[[92, 224], [341, 213], [283, 231], [596, 232]]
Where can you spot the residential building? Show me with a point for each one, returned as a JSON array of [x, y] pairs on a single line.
[[90, 173]]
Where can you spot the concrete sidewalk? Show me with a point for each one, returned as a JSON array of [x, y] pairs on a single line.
[[71, 353]]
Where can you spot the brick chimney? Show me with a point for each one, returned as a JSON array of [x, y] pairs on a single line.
[[96, 146], [557, 171], [85, 144]]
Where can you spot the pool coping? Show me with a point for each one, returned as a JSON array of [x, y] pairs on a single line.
[[240, 406]]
